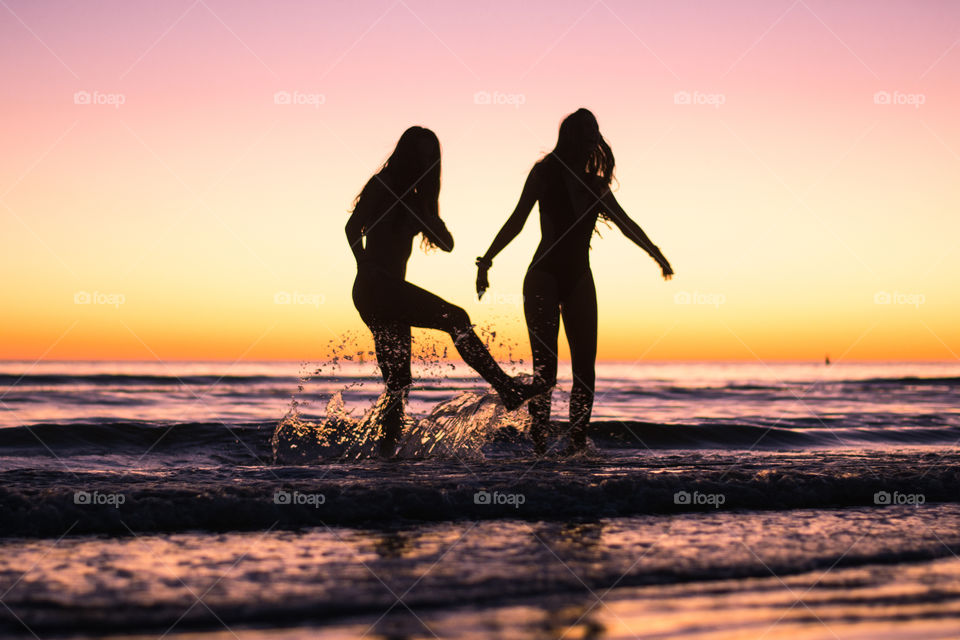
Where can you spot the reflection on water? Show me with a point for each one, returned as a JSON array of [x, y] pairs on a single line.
[[876, 602], [709, 575]]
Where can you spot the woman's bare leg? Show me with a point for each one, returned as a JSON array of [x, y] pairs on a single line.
[[392, 343], [424, 309], [541, 308], [579, 310]]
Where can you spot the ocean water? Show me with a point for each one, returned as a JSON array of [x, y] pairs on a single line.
[[208, 500]]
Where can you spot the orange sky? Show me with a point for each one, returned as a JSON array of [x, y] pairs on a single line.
[[804, 212]]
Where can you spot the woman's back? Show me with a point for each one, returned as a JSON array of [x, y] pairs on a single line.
[[389, 229], [568, 217]]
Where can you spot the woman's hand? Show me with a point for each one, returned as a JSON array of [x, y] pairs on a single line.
[[483, 266], [666, 269]]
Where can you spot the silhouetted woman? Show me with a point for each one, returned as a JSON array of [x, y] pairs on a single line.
[[398, 203], [572, 185]]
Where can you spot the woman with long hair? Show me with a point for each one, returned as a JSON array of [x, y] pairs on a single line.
[[398, 203], [572, 185]]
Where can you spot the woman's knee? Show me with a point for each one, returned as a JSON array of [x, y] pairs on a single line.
[[456, 321]]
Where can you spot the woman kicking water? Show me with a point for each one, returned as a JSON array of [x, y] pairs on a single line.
[[398, 203], [572, 184]]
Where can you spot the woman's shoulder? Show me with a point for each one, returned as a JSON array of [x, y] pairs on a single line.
[[597, 183], [550, 166], [544, 164], [377, 187], [378, 194], [544, 168]]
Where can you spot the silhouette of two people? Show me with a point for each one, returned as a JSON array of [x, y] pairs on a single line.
[[572, 186]]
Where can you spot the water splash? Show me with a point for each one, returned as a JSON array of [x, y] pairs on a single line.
[[457, 428]]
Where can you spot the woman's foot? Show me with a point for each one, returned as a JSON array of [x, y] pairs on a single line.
[[388, 447], [577, 444], [517, 392], [574, 448], [390, 438]]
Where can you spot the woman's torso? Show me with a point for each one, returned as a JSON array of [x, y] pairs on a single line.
[[389, 234], [565, 227]]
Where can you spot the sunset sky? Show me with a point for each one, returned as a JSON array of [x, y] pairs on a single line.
[[797, 162]]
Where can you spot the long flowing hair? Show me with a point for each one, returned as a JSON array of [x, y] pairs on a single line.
[[413, 168], [582, 149]]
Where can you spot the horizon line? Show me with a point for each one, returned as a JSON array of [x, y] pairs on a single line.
[[818, 361]]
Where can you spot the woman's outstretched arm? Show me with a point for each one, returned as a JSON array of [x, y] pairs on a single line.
[[510, 230], [633, 231]]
